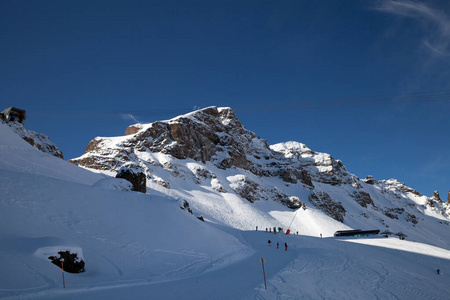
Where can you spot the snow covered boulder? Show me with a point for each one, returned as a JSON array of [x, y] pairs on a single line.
[[110, 183], [135, 175]]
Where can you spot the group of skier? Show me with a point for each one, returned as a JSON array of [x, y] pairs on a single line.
[[274, 229], [278, 245]]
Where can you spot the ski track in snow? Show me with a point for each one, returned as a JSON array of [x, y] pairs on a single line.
[[312, 268]]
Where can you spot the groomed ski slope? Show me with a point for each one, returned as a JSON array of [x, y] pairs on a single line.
[[312, 268], [145, 247]]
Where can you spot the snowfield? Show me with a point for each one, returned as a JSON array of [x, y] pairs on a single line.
[[143, 246]]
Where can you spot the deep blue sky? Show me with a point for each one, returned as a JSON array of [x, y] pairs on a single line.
[[366, 81]]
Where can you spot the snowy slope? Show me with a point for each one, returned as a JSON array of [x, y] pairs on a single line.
[[125, 237], [19, 156], [38, 140], [143, 246]]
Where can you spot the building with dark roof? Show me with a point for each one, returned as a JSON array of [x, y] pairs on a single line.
[[12, 114]]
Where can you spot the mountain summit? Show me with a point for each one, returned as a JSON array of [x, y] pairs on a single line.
[[211, 134]]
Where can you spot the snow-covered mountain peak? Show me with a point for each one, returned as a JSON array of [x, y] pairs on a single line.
[[209, 154], [212, 116], [210, 134]]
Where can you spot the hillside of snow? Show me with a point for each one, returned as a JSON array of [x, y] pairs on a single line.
[[142, 246], [38, 140], [48, 205]]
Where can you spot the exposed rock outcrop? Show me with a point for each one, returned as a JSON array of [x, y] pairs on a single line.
[[37, 140], [135, 175], [436, 197], [333, 208], [362, 198], [293, 176], [369, 179], [248, 189], [200, 136]]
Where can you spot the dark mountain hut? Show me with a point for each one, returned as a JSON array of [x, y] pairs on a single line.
[[14, 114]]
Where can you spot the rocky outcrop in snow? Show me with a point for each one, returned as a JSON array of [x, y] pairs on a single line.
[[37, 140], [331, 207], [314, 166], [362, 198], [135, 175], [436, 197]]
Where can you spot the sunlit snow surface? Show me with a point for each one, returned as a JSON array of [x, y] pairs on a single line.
[[140, 246], [403, 245]]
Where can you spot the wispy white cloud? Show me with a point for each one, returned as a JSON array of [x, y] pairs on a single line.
[[129, 117], [435, 22]]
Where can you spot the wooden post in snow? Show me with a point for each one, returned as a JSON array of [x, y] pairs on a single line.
[[62, 268], [264, 273]]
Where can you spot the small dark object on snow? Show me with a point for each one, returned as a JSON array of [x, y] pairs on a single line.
[[186, 206], [72, 264], [269, 242], [201, 218], [438, 271], [285, 246]]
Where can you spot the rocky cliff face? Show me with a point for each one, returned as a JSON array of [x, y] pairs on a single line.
[[37, 140], [212, 134], [216, 135], [211, 148]]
